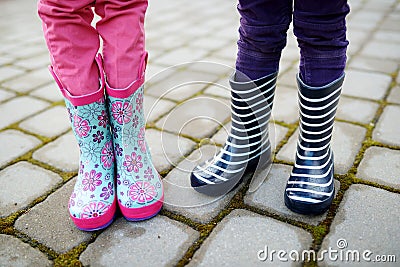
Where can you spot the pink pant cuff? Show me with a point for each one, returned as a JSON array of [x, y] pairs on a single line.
[[82, 99], [131, 88]]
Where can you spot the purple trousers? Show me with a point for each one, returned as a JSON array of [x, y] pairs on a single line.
[[320, 28]]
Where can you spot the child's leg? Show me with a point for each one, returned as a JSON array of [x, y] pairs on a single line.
[[72, 43], [139, 187], [122, 31], [320, 28], [263, 27], [321, 31]]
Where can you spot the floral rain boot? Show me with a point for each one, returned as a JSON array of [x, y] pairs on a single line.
[[139, 187], [248, 146], [310, 188], [92, 204]]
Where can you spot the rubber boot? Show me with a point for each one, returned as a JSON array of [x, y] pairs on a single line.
[[92, 204], [139, 187], [247, 146], [310, 188]]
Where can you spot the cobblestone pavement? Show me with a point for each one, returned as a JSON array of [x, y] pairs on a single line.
[[38, 153]]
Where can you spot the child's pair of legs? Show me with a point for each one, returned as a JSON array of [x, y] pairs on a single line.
[[320, 29], [104, 100]]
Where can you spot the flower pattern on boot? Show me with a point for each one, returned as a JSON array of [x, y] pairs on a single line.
[[139, 186], [92, 203]]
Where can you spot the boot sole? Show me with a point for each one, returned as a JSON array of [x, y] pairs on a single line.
[[141, 214], [307, 208]]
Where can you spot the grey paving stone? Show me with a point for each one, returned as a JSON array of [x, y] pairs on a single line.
[[151, 71], [50, 224], [229, 51], [165, 43], [181, 55], [39, 61], [387, 36], [367, 220], [356, 36], [63, 153], [156, 242], [346, 142], [290, 53], [391, 22], [387, 128], [25, 51], [270, 195], [209, 44], [22, 183], [181, 85], [221, 67], [5, 60], [398, 78], [285, 107], [8, 72], [239, 237], [380, 165], [222, 134], [356, 110], [365, 19], [29, 81], [366, 84], [14, 252], [167, 149], [287, 79], [49, 92], [156, 107], [181, 198], [220, 88], [379, 6], [375, 49], [19, 108], [50, 123], [394, 95], [193, 119], [4, 95], [15, 144], [373, 64]]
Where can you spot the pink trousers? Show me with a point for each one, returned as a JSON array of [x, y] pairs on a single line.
[[73, 43]]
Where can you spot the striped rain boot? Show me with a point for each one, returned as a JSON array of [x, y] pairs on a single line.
[[310, 188], [92, 204], [248, 146], [139, 186]]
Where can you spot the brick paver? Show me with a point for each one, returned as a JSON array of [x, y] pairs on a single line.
[[126, 244], [367, 220], [237, 240], [186, 106], [381, 165], [49, 222], [14, 252]]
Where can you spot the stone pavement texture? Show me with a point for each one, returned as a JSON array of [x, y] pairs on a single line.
[[192, 49]]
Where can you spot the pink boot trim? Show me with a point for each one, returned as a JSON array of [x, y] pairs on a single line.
[[140, 214], [83, 99], [130, 89], [96, 223]]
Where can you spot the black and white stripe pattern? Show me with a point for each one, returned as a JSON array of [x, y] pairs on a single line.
[[310, 188], [248, 141]]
